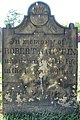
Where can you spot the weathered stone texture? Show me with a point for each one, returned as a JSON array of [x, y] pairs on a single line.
[[39, 64]]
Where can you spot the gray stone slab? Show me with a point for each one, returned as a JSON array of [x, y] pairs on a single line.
[[39, 64]]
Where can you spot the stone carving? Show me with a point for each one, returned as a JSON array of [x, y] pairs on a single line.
[[39, 64]]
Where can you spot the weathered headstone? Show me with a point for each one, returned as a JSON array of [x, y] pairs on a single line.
[[39, 64]]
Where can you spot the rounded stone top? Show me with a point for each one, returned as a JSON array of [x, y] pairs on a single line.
[[39, 8]]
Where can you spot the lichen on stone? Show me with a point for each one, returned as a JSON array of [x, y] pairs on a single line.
[[18, 99], [7, 97]]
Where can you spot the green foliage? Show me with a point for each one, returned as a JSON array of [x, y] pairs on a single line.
[[0, 73], [76, 24], [41, 116], [0, 100], [12, 18]]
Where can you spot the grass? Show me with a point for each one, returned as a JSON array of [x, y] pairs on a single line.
[[41, 116]]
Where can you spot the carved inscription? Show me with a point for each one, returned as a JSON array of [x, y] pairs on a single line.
[[51, 49]]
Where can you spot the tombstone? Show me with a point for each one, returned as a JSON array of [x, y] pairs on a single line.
[[39, 64]]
